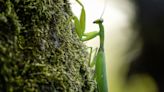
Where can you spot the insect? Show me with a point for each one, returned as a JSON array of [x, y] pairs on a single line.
[[99, 59]]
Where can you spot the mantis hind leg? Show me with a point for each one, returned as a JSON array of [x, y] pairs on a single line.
[[92, 61]]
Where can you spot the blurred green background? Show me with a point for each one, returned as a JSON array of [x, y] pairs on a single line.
[[118, 19]]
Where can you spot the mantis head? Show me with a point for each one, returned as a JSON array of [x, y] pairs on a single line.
[[98, 21]]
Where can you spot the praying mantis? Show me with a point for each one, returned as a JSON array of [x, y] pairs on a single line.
[[99, 59]]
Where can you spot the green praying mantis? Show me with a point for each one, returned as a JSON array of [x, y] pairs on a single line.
[[99, 59]]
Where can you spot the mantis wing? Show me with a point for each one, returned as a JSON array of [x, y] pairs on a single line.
[[101, 71]]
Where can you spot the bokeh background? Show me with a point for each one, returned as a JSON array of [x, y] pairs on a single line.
[[118, 18]]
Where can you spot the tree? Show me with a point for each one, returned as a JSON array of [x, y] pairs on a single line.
[[39, 49]]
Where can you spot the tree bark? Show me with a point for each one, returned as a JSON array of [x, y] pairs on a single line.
[[39, 49]]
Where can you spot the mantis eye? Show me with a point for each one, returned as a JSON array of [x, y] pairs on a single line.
[[101, 20]]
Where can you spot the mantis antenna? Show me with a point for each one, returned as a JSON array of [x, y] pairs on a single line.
[[105, 4]]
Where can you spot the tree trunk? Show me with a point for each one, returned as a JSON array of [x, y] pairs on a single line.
[[39, 49]]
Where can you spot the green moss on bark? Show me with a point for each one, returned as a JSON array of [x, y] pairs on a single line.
[[39, 50]]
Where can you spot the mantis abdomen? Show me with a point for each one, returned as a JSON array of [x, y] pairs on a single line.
[[101, 71]]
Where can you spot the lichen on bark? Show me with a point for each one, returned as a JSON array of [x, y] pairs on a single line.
[[39, 49]]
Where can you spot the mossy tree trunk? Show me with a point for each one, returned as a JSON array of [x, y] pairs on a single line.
[[39, 49]]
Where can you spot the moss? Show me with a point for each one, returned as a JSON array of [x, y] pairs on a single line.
[[39, 50]]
